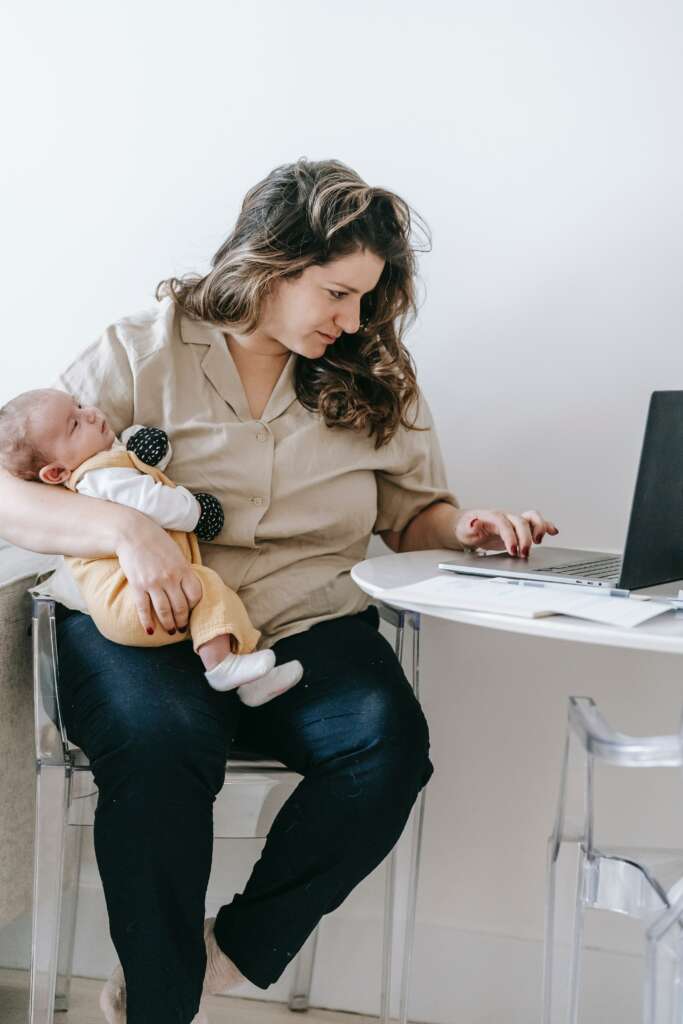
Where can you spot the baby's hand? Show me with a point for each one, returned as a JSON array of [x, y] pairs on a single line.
[[212, 519], [150, 444]]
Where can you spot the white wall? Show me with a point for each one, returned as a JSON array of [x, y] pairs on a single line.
[[539, 141]]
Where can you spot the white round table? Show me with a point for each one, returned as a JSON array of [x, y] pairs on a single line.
[[375, 575]]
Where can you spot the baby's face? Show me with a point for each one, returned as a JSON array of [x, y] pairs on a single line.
[[69, 433]]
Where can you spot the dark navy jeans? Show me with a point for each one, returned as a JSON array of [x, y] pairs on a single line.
[[158, 737]]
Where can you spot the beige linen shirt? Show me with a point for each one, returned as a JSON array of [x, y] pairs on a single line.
[[300, 499]]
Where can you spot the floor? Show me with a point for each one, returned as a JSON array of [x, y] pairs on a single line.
[[84, 1007]]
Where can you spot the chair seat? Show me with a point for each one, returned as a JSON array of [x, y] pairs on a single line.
[[635, 881], [238, 756]]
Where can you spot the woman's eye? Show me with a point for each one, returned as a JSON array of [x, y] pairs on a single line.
[[337, 295]]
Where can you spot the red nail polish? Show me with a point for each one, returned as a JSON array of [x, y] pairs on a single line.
[[183, 629], [473, 522], [150, 630], [514, 550], [171, 632]]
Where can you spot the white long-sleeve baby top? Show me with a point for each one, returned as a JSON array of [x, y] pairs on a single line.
[[174, 508]]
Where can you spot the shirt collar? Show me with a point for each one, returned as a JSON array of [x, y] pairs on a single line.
[[219, 367]]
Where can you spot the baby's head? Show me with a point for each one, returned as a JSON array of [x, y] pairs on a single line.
[[46, 434]]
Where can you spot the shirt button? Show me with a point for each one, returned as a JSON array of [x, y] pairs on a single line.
[[257, 501], [262, 436]]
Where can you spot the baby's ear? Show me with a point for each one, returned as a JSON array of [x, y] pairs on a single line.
[[55, 473]]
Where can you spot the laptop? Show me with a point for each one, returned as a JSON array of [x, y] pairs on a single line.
[[653, 557]]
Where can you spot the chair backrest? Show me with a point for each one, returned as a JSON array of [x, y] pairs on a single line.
[[52, 746], [603, 742], [591, 739]]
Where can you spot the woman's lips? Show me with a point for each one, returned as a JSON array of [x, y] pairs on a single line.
[[327, 337]]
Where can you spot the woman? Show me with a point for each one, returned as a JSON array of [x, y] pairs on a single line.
[[282, 379]]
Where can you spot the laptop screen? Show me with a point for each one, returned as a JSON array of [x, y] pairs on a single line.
[[654, 541]]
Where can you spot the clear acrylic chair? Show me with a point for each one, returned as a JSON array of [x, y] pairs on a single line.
[[255, 789], [644, 883]]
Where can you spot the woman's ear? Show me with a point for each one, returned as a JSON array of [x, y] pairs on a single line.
[[55, 473]]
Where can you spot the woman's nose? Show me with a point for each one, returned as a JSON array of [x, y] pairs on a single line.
[[348, 320]]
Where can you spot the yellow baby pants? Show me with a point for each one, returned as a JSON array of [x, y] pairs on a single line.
[[108, 597]]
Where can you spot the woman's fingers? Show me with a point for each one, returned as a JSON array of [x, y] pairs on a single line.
[[160, 577], [539, 525], [182, 597], [172, 603], [524, 538], [498, 523], [180, 609], [493, 530], [192, 587], [163, 609], [143, 606]]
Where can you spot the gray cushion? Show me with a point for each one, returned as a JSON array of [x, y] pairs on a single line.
[[19, 569], [17, 752]]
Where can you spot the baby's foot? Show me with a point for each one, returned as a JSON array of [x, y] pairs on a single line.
[[279, 679], [236, 669]]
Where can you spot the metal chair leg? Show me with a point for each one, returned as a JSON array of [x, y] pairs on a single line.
[[52, 791], [388, 936], [416, 847], [299, 997], [73, 845], [410, 908]]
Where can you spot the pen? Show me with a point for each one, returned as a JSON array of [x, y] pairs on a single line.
[[674, 602], [560, 587]]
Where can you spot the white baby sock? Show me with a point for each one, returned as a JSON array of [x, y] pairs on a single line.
[[279, 679], [236, 669]]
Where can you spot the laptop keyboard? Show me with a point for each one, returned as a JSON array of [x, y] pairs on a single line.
[[600, 569]]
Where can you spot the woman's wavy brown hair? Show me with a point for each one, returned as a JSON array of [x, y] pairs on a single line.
[[304, 214]]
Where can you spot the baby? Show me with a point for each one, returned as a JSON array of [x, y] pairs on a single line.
[[47, 435]]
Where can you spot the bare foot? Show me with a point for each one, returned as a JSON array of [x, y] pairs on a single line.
[[213, 651]]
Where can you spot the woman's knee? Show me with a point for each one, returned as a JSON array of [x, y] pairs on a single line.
[[156, 730], [389, 727], [161, 751]]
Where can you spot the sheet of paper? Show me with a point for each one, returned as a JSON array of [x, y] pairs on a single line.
[[529, 602], [476, 595]]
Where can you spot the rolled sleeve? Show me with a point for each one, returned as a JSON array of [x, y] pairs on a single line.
[[174, 508], [101, 375], [414, 477]]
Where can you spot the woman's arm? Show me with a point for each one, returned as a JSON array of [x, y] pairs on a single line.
[[441, 525], [55, 521], [433, 527]]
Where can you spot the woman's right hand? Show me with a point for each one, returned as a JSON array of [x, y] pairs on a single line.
[[158, 575]]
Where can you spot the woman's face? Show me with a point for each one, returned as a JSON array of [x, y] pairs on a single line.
[[308, 314]]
